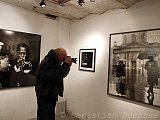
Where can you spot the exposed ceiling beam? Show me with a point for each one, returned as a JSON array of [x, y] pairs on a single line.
[[54, 11], [81, 8], [59, 2], [127, 6]]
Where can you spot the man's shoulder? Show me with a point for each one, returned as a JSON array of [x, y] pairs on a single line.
[[48, 64]]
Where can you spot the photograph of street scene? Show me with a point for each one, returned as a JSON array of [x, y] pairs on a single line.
[[134, 66]]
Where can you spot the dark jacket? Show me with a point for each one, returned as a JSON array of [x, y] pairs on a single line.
[[4, 79], [49, 81], [21, 79], [120, 70]]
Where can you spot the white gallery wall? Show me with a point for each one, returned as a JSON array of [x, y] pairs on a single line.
[[86, 92], [20, 104]]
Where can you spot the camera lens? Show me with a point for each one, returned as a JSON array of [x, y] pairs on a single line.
[[74, 60]]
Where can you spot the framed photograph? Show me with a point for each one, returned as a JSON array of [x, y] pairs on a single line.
[[134, 66], [23, 55], [87, 59]]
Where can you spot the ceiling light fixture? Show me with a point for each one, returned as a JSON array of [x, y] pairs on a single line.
[[81, 2], [42, 3]]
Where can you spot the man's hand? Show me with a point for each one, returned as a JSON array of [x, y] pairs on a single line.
[[68, 60], [19, 63]]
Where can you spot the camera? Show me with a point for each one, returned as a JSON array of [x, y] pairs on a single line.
[[74, 60]]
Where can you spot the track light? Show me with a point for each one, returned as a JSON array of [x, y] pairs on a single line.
[[42, 3], [81, 2]]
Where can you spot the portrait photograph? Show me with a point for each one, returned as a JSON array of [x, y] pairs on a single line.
[[134, 66], [87, 59], [22, 54]]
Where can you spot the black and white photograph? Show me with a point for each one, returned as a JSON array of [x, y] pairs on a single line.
[[134, 66], [87, 59], [19, 58]]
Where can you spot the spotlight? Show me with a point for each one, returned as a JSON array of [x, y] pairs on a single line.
[[81, 2], [42, 3]]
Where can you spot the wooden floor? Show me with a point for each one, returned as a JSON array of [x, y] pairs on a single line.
[[62, 117]]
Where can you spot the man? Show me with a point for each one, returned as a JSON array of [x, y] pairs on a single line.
[[22, 58], [153, 73], [23, 70], [49, 83], [120, 69], [4, 70]]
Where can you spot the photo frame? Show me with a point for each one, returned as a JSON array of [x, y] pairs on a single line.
[[134, 66], [23, 51], [87, 59]]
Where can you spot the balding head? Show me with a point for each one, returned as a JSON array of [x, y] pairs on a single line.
[[61, 54]]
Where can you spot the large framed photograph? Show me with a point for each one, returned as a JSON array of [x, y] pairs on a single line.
[[87, 59], [134, 66], [19, 58]]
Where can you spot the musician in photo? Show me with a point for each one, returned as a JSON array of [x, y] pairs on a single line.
[[23, 70]]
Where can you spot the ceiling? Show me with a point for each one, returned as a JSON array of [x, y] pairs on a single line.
[[70, 9]]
